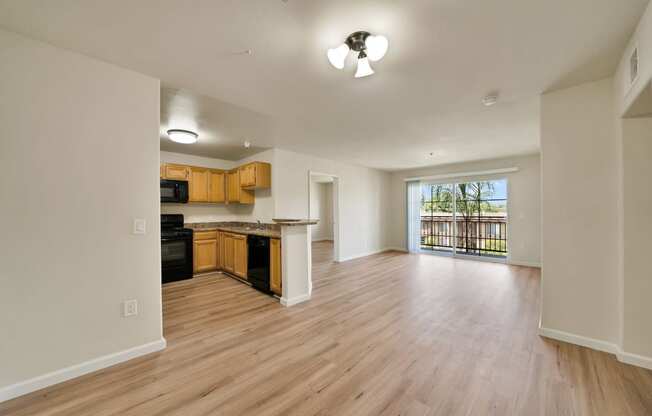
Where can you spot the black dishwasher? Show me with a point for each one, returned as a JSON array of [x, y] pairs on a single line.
[[258, 262]]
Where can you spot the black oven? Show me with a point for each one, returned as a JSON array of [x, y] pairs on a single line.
[[174, 191], [176, 249]]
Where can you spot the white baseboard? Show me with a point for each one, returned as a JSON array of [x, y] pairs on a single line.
[[401, 249], [524, 263], [369, 253], [599, 345], [634, 359], [295, 300], [594, 344], [77, 370]]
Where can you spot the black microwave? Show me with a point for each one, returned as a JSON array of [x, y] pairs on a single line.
[[174, 191]]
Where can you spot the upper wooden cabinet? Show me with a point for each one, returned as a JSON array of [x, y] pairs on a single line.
[[175, 172], [216, 186], [235, 193], [198, 184], [275, 273], [255, 175]]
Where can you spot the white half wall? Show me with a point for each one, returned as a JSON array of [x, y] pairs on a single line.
[[524, 202], [581, 212], [80, 154]]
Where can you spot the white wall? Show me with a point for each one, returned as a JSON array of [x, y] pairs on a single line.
[[581, 225], [524, 202], [365, 196], [80, 156], [321, 208], [262, 210], [637, 192]]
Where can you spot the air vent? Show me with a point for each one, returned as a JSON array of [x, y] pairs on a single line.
[[633, 66]]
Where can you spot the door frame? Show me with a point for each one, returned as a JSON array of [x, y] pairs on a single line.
[[336, 202]]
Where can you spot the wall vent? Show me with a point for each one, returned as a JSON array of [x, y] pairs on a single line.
[[633, 66]]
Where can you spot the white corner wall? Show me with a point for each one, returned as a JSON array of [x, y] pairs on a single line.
[[524, 202], [581, 218], [637, 193], [80, 156]]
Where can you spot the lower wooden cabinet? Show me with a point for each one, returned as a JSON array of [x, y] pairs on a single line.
[[205, 250], [234, 254], [275, 270]]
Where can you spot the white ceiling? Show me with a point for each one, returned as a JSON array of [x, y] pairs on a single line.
[[444, 56]]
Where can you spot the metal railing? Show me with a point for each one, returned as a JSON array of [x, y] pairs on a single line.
[[478, 235]]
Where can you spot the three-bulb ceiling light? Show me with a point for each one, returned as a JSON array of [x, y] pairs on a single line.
[[369, 48]]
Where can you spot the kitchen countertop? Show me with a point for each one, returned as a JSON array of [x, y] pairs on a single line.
[[291, 222], [268, 230]]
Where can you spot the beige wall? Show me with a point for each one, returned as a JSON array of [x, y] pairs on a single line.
[[524, 202], [581, 227], [637, 296], [80, 155], [364, 197], [321, 208]]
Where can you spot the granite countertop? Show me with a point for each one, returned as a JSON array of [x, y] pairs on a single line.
[[266, 230], [290, 222]]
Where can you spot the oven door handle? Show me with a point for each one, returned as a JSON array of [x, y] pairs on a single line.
[[176, 239]]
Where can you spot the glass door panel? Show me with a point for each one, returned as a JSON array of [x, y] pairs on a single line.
[[437, 229], [467, 218]]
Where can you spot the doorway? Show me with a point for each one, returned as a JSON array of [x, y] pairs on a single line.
[[464, 219], [323, 206]]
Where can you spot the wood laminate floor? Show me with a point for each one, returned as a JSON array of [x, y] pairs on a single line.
[[389, 334]]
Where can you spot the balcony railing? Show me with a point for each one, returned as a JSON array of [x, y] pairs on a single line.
[[480, 235]]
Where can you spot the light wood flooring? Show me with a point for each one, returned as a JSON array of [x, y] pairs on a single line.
[[389, 334]]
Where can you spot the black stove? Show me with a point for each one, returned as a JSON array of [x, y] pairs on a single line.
[[176, 249]]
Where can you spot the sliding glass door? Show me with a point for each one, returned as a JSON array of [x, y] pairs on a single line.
[[465, 218]]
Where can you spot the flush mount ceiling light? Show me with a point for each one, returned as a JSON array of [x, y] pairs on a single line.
[[182, 136], [368, 47]]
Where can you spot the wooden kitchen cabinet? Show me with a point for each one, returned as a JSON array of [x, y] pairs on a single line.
[[216, 186], [240, 255], [198, 184], [175, 172], [275, 270], [234, 193], [228, 260], [205, 251], [255, 175], [234, 254]]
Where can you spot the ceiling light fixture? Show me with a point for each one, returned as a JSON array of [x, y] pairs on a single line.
[[369, 48], [183, 136]]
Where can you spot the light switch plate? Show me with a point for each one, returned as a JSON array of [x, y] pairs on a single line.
[[139, 226], [130, 308]]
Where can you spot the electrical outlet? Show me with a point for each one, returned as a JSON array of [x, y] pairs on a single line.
[[139, 226], [130, 308]]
